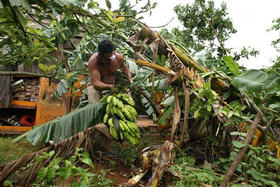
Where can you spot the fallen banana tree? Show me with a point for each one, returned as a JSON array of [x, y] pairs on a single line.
[[208, 87], [183, 68]]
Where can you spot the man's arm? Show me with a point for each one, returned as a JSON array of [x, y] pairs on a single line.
[[125, 69], [95, 77]]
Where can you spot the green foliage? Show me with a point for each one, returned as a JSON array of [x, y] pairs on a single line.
[[232, 65], [262, 87], [167, 112], [45, 68], [252, 80], [70, 169], [8, 183], [21, 41], [198, 108], [68, 125], [193, 176], [276, 44], [199, 20], [257, 168], [276, 27]]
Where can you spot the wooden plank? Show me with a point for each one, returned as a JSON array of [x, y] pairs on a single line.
[[14, 129], [22, 104]]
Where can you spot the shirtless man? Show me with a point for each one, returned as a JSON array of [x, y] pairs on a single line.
[[102, 68]]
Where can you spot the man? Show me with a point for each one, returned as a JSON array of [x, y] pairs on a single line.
[[103, 68]]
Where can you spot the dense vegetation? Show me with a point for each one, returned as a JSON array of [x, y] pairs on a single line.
[[218, 116]]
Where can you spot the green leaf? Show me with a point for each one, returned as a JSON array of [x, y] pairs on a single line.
[[7, 182], [61, 128], [62, 87], [238, 133], [165, 115], [232, 65], [238, 144], [108, 4], [255, 174], [110, 16], [272, 81], [252, 80], [88, 161], [41, 174], [133, 68], [92, 4], [209, 108], [275, 106], [24, 3], [168, 101], [65, 173], [196, 113]]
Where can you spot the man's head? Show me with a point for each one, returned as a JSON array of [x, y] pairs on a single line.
[[106, 50], [105, 46]]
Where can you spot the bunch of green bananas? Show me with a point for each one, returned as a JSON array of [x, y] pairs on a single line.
[[121, 117]]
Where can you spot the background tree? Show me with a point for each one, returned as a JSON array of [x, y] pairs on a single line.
[[276, 43]]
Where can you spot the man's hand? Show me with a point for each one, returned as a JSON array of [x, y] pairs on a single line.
[[114, 89]]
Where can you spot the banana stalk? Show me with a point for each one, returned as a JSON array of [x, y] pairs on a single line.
[[155, 66]]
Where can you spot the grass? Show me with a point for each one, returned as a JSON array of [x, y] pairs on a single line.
[[10, 151]]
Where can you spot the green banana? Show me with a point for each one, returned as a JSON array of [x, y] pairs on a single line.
[[121, 117], [108, 109], [109, 99], [105, 119], [131, 110], [119, 103], [130, 138], [121, 135], [133, 126], [122, 125], [110, 122], [103, 99], [117, 125], [127, 114], [126, 128], [114, 101], [128, 99], [114, 132], [113, 111], [120, 114]]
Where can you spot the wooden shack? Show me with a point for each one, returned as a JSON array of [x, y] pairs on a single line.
[[33, 102]]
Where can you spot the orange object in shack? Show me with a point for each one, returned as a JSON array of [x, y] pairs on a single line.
[[33, 102]]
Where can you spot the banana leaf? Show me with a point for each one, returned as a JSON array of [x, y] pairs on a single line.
[[68, 125]]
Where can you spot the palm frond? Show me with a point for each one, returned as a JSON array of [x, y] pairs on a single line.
[[68, 125]]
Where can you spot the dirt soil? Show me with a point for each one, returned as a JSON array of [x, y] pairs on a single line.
[[119, 164]]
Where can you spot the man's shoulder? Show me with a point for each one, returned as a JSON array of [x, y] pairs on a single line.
[[93, 61], [94, 58], [119, 56]]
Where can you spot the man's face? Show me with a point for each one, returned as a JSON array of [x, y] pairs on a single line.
[[108, 57]]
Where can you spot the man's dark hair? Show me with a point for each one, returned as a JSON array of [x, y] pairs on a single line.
[[105, 46]]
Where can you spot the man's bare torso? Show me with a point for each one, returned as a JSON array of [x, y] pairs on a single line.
[[107, 70]]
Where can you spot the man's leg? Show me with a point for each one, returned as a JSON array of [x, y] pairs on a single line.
[[93, 94], [94, 97]]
